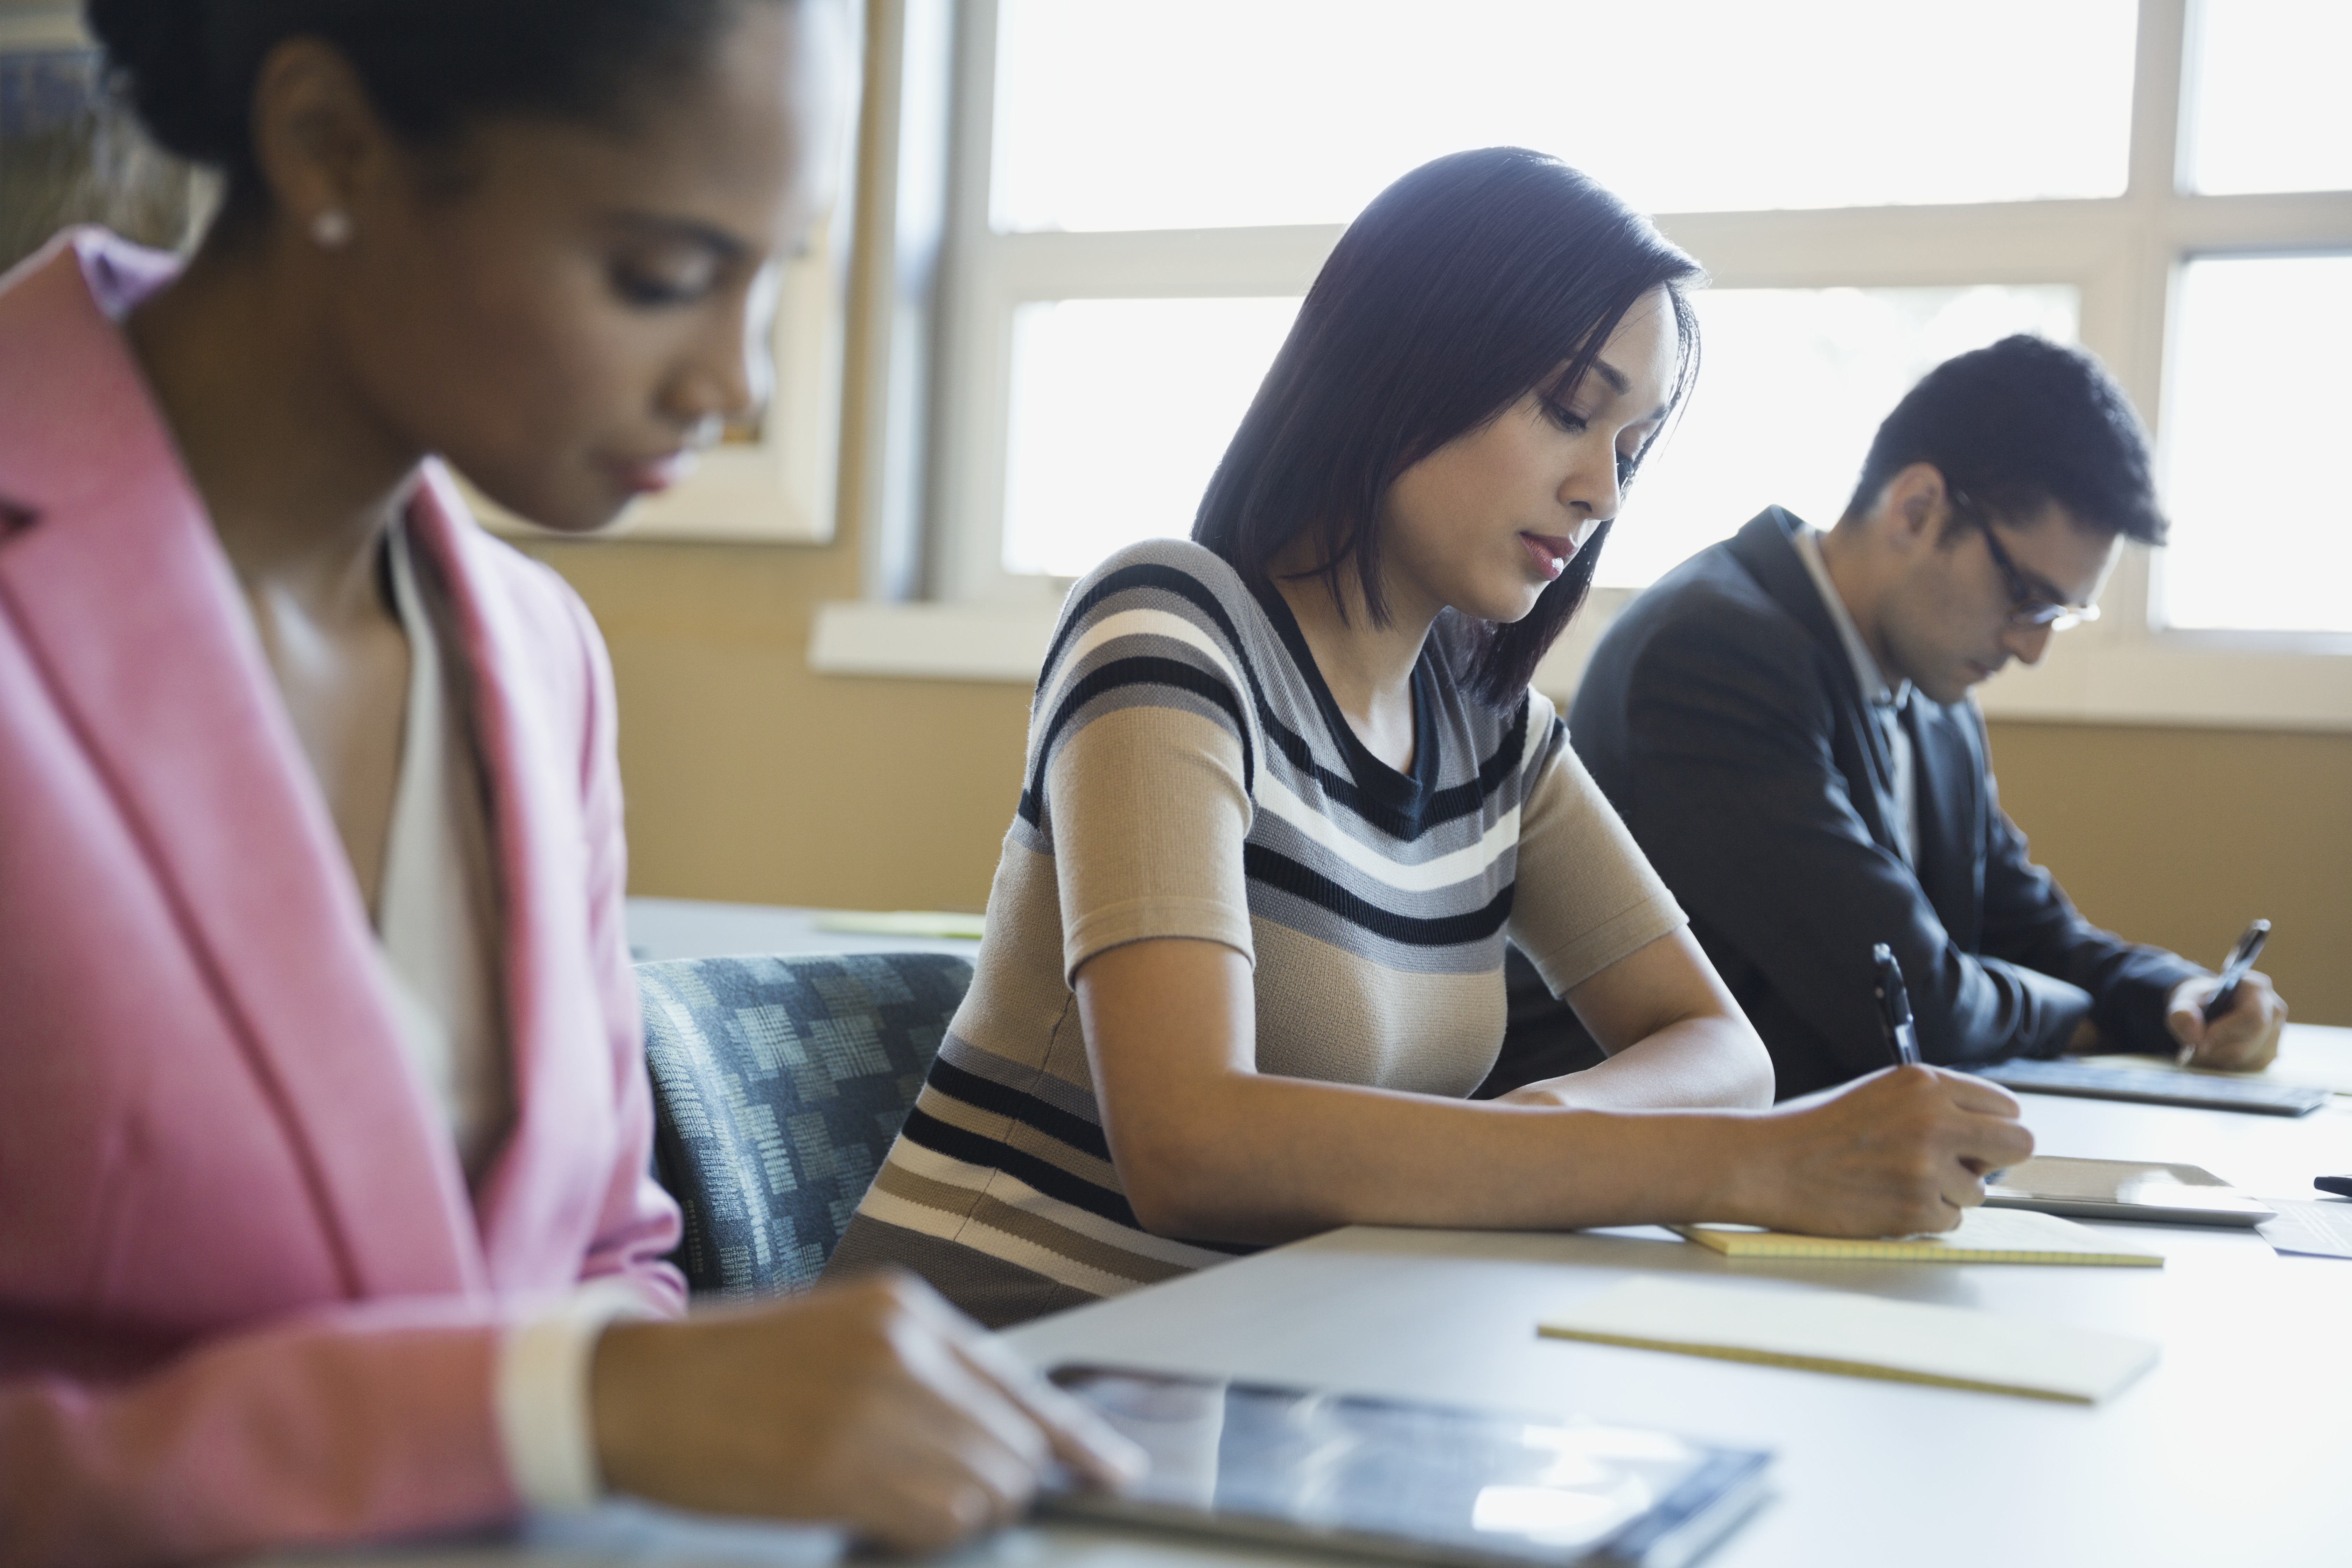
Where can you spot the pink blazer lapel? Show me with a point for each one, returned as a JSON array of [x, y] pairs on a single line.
[[540, 1204], [116, 583]]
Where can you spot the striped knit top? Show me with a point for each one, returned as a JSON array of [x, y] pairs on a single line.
[[1189, 774]]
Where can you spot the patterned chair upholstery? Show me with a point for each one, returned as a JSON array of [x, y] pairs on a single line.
[[778, 1086]]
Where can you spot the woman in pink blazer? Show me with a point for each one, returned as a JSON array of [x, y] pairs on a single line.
[[271, 1269]]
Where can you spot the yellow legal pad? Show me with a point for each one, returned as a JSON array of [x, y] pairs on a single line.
[[1984, 1236], [1857, 1336]]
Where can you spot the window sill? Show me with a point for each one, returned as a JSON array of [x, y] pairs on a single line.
[[932, 641], [2186, 680]]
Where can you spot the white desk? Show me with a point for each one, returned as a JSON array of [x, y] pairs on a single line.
[[2235, 1448], [696, 928]]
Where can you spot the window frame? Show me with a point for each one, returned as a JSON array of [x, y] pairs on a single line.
[[2122, 253]]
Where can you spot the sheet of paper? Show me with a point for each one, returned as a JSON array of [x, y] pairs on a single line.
[[1983, 1235], [2314, 1228], [1858, 1336]]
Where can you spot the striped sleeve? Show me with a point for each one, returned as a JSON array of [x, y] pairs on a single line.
[[1586, 896], [1142, 759]]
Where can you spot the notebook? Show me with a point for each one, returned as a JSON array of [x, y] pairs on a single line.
[[1858, 1336], [1983, 1235]]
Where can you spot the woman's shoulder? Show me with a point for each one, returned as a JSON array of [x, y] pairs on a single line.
[[1164, 588]]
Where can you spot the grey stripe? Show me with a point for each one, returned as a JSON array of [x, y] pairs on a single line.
[[958, 1052]]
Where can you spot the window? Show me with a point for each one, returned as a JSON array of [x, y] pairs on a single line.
[[2261, 532], [1120, 410], [1220, 113], [1794, 383], [1142, 192], [2269, 111]]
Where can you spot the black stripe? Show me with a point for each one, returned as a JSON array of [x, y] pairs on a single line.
[[1406, 825], [1168, 579], [1026, 1108], [1278, 871], [1146, 669], [1048, 1178]]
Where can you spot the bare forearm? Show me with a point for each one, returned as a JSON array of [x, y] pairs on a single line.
[[1272, 1159], [1710, 1062]]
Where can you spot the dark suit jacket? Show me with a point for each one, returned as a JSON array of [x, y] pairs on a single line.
[[1723, 717]]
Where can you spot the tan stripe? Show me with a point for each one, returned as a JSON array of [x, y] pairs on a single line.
[[1036, 1229], [1337, 1016]]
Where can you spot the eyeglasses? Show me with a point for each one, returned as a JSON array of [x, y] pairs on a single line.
[[2029, 607]]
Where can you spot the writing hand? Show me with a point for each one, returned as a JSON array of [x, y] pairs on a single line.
[[875, 1405], [2243, 1039], [1899, 1152]]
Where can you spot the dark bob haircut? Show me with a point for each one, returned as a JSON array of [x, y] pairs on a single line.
[[431, 67], [2017, 425], [1472, 281]]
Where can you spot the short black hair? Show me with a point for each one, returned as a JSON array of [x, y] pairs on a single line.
[[1465, 286], [431, 67], [2020, 425]]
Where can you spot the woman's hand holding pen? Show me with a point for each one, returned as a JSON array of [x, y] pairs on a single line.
[[873, 1403], [1902, 1151]]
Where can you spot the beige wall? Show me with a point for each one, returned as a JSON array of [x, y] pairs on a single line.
[[2181, 837], [750, 778]]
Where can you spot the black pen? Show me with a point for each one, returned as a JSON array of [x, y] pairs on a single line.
[[1894, 1008], [2233, 969]]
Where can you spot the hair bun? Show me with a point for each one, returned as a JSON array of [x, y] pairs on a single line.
[[160, 54]]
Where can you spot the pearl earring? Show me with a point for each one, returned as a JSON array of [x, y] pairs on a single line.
[[332, 229]]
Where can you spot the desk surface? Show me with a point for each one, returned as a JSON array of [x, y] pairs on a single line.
[[2233, 1449]]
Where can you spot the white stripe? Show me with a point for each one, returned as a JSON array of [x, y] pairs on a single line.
[[1137, 624], [945, 1169], [1536, 733], [1446, 872], [1015, 1192], [990, 1242]]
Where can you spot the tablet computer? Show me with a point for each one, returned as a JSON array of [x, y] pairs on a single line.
[[2124, 1189], [1426, 1483]]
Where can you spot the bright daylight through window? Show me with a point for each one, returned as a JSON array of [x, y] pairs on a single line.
[[1226, 112], [1319, 103], [1873, 187], [2255, 409]]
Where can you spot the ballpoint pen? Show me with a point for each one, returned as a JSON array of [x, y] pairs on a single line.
[[1894, 1008], [2233, 969]]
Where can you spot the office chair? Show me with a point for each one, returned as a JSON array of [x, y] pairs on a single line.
[[779, 1084]]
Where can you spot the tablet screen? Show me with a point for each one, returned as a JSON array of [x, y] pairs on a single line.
[[1427, 1481]]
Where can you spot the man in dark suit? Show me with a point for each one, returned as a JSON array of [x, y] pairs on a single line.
[[1783, 721]]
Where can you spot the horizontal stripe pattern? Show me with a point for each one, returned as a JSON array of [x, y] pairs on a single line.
[[1383, 896]]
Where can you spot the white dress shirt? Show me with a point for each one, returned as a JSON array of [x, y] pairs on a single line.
[[1885, 700]]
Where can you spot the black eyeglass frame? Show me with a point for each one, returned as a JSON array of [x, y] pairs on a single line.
[[2027, 605]]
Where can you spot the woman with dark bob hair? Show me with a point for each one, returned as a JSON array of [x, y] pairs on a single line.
[[324, 1122], [1288, 793]]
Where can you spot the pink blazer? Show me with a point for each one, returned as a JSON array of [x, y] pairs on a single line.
[[244, 1295]]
